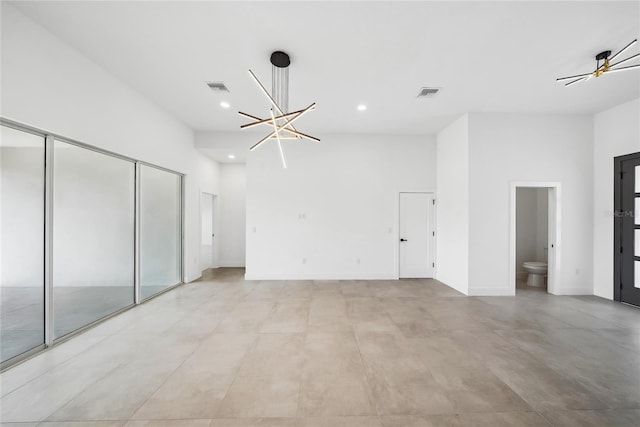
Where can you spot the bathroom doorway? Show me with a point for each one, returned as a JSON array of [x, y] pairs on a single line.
[[534, 237]]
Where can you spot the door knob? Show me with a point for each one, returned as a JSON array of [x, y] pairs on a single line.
[[403, 240]]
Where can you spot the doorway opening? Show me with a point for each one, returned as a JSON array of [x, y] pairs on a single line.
[[208, 241], [534, 218], [416, 242]]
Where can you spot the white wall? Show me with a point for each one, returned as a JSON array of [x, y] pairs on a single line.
[[49, 85], [616, 133], [518, 147], [335, 204], [452, 206], [232, 228]]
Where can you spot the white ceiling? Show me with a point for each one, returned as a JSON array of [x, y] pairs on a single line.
[[487, 57]]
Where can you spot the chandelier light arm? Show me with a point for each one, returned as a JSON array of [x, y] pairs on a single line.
[[260, 121], [249, 116], [623, 49], [630, 67], [578, 76], [304, 135], [608, 66], [576, 81], [309, 108], [285, 134], [281, 121], [275, 129], [624, 60], [288, 122], [266, 93], [257, 144]]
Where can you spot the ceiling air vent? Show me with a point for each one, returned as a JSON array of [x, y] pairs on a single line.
[[429, 92], [217, 86]]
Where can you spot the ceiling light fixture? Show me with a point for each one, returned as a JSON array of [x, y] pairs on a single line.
[[224, 104], [362, 107], [606, 67], [282, 123], [231, 156]]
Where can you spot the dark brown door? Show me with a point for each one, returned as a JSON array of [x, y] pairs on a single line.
[[627, 229]]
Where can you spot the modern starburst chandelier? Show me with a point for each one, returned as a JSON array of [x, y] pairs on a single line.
[[605, 67], [280, 119]]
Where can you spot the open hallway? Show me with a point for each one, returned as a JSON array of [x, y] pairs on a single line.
[[224, 351]]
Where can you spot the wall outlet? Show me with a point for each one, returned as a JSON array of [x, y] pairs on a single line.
[[304, 260], [357, 260]]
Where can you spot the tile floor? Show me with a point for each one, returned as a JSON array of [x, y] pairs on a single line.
[[22, 312], [227, 352]]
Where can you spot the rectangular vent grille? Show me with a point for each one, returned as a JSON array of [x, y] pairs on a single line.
[[428, 92], [217, 86]]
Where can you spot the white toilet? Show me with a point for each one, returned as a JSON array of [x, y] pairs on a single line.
[[537, 271]]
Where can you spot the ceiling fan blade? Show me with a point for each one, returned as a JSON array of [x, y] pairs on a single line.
[[624, 60], [576, 81], [623, 49], [630, 67], [573, 77]]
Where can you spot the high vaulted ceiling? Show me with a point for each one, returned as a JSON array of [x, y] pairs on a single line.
[[487, 57]]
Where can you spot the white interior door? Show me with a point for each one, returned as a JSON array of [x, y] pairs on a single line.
[[416, 235], [207, 236]]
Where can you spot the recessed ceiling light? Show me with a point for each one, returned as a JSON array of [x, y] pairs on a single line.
[[231, 156], [224, 104], [362, 107]]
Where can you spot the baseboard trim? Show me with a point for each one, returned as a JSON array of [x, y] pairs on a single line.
[[252, 276]]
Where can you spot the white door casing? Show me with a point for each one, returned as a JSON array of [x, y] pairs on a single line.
[[554, 285]]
